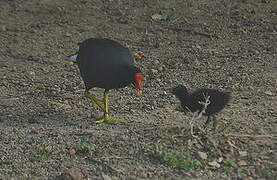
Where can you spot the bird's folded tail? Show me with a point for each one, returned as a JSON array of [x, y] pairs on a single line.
[[72, 59]]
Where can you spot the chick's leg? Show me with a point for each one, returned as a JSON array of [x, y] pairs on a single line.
[[106, 117], [94, 100], [214, 120]]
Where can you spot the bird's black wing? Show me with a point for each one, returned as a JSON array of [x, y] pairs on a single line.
[[100, 59], [104, 52], [217, 99]]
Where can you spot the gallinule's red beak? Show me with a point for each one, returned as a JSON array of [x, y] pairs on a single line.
[[138, 82]]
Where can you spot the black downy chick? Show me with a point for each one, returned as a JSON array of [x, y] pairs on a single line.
[[194, 101]]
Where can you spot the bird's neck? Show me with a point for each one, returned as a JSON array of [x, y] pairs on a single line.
[[128, 69], [126, 72]]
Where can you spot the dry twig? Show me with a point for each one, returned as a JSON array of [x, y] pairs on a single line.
[[250, 136], [200, 114]]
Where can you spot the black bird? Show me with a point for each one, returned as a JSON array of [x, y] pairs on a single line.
[[106, 64], [194, 101]]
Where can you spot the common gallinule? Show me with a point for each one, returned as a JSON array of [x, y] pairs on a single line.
[[106, 64]]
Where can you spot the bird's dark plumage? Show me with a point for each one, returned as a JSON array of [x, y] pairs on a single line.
[[105, 63], [190, 101]]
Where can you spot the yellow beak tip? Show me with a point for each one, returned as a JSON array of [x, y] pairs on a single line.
[[139, 92], [70, 62]]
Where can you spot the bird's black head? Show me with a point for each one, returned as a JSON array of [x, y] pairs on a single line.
[[179, 91]]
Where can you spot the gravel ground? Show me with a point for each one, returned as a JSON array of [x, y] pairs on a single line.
[[47, 128]]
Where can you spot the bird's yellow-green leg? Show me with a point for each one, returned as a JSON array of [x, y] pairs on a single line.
[[94, 100], [106, 117]]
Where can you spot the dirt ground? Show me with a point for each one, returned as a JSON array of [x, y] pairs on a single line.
[[47, 127]]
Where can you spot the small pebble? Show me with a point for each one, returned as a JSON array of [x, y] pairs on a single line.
[[214, 164], [268, 93], [242, 163], [202, 155], [161, 69], [3, 28], [68, 34], [72, 151], [243, 153], [154, 71]]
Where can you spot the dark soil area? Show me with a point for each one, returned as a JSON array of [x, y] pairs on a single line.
[[47, 127]]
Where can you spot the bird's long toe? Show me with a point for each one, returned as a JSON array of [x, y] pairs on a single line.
[[107, 119], [94, 100]]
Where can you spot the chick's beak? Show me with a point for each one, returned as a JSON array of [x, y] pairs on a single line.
[[168, 92]]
